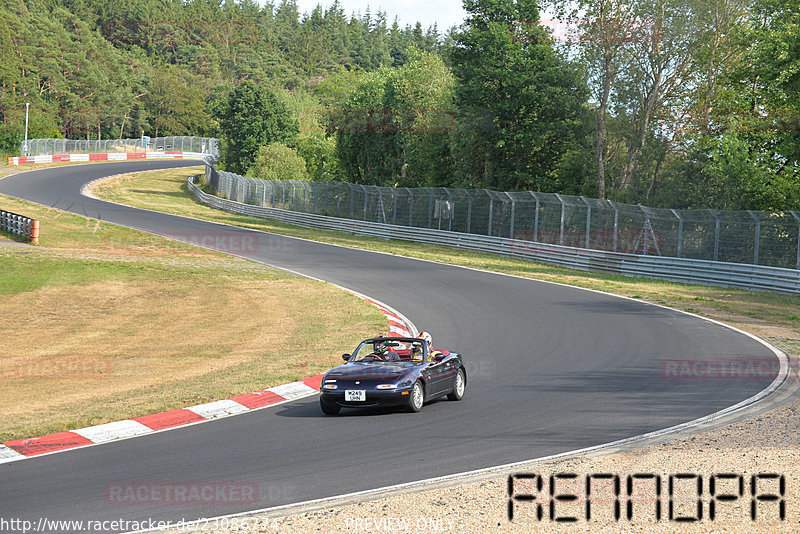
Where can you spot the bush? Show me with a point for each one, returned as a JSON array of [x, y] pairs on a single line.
[[277, 161]]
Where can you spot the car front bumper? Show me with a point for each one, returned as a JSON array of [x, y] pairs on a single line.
[[394, 397]]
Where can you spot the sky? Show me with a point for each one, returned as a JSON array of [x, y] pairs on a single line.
[[445, 13]]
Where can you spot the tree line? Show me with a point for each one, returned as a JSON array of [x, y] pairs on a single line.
[[680, 104], [121, 68]]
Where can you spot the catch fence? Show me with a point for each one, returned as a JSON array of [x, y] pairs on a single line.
[[746, 237], [47, 147]]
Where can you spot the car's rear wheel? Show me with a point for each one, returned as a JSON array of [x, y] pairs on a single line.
[[328, 408], [459, 386], [416, 398]]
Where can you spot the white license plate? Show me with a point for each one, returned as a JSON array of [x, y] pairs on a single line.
[[355, 395]]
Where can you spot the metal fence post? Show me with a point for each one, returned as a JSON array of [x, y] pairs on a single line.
[[758, 236], [680, 233], [563, 217], [536, 219], [451, 211], [588, 220], [797, 218], [272, 194], [431, 200], [716, 234], [394, 205], [616, 224], [491, 211], [513, 214], [469, 211], [380, 204], [314, 195], [411, 207], [365, 201]]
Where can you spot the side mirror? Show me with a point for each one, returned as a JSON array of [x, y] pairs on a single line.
[[439, 357], [346, 357]]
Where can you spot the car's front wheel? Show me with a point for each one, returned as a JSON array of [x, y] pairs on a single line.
[[416, 398], [459, 386], [328, 408]]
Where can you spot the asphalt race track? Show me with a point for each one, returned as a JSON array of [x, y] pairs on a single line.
[[551, 369]]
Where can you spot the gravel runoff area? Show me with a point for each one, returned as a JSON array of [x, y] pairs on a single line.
[[760, 444]]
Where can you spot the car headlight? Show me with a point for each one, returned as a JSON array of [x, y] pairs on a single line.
[[329, 384], [404, 384], [387, 386]]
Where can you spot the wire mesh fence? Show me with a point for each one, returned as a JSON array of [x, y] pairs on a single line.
[[751, 237], [47, 147]]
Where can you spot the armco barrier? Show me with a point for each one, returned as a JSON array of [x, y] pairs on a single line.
[[705, 272], [20, 225], [112, 156]]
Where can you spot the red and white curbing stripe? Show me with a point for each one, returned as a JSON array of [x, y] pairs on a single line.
[[20, 449], [111, 156]]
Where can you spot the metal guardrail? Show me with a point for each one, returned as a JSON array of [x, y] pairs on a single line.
[[704, 272], [20, 225]]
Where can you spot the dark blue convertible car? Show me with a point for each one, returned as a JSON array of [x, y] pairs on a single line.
[[393, 371]]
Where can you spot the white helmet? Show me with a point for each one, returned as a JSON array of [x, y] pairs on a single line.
[[427, 337]]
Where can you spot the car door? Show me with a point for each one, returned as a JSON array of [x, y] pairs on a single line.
[[449, 368], [440, 379]]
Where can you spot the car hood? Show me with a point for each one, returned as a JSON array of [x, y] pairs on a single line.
[[370, 371]]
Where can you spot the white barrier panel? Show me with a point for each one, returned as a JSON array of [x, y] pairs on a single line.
[[111, 156]]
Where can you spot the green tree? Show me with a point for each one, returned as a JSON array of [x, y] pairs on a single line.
[[319, 152], [520, 103], [176, 103], [775, 77], [251, 118], [393, 125], [364, 142], [419, 96], [604, 30], [277, 161]]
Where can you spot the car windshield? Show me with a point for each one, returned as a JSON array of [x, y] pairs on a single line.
[[390, 349]]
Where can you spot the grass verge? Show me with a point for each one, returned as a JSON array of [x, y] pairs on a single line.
[[103, 323]]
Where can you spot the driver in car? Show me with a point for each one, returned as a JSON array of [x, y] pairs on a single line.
[[383, 352], [425, 336]]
